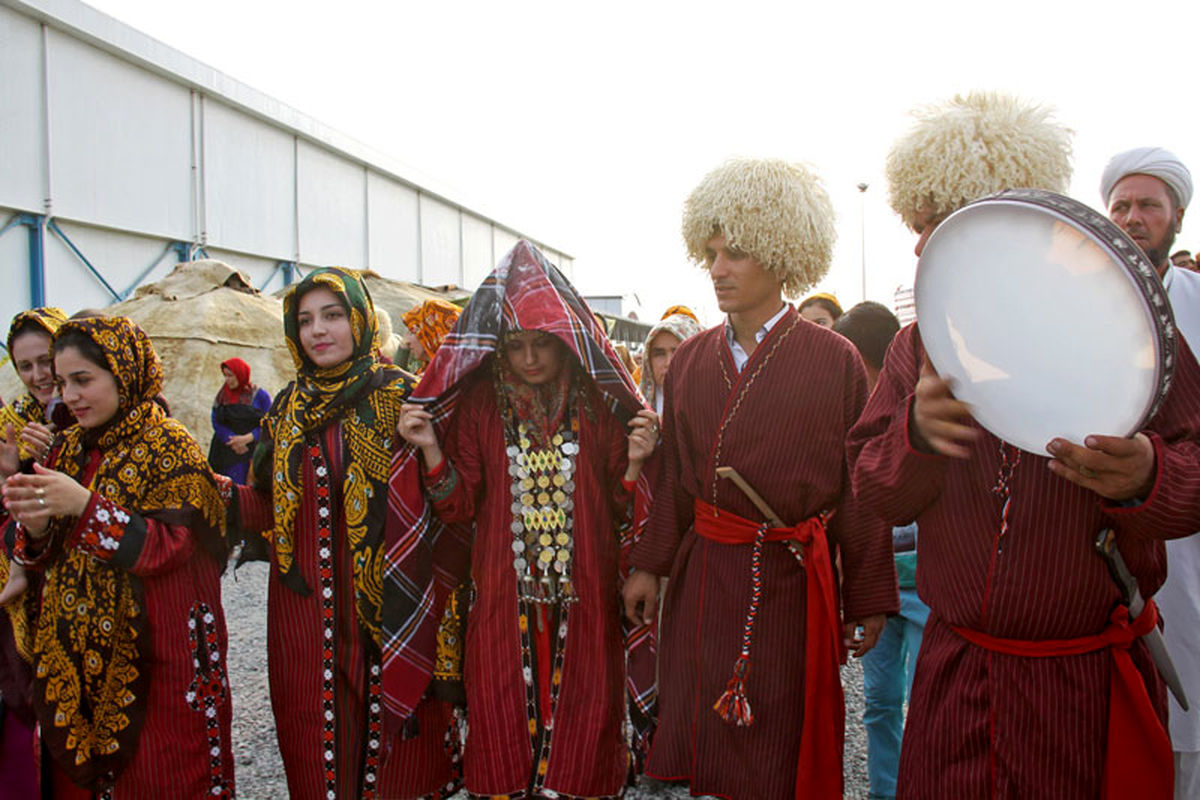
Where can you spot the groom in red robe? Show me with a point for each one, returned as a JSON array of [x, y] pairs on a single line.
[[750, 703]]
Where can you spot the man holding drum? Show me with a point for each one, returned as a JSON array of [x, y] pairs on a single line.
[[1146, 191], [1027, 650]]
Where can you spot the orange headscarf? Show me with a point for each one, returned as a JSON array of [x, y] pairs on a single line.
[[430, 322], [684, 310]]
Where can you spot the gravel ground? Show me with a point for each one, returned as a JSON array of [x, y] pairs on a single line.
[[259, 769]]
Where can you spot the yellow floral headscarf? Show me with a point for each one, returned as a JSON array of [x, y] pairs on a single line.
[[90, 644], [28, 408], [362, 394]]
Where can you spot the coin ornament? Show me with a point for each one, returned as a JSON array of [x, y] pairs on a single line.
[[543, 488]]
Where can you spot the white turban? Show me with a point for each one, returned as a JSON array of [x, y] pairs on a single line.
[[1153, 161]]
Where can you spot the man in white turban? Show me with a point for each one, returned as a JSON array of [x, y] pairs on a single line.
[[1146, 191]]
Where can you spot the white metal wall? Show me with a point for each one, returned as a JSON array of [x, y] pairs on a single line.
[[128, 146]]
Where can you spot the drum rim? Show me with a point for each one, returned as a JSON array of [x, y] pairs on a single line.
[[1122, 250]]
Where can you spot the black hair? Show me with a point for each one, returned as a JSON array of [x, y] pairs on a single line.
[[870, 327], [27, 325], [823, 302], [86, 346], [302, 290]]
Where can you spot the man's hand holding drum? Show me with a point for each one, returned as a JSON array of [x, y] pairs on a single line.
[[1111, 466], [940, 423], [1114, 467]]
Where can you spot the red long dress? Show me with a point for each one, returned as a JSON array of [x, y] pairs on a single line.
[[299, 656], [984, 724], [581, 746], [804, 387], [183, 749]]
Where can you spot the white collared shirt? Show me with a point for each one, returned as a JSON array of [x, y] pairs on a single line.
[[740, 356]]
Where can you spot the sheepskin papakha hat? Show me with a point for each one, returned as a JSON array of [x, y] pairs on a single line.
[[973, 146], [776, 212]]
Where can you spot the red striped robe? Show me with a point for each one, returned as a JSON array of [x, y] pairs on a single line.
[[587, 756], [174, 749], [982, 724], [786, 437], [413, 767]]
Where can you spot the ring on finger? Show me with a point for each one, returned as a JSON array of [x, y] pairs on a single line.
[[1087, 472], [42, 502], [41, 492]]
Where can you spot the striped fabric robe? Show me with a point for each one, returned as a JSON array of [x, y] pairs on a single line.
[[786, 437], [516, 746], [296, 662], [181, 751], [984, 724]]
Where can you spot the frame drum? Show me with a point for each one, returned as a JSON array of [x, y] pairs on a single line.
[[1045, 318]]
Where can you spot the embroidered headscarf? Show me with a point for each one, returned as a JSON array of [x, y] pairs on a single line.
[[24, 409], [425, 557], [244, 391], [430, 322], [365, 396], [91, 641], [681, 326], [27, 408]]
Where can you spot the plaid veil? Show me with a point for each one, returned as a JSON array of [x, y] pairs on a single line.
[[425, 559]]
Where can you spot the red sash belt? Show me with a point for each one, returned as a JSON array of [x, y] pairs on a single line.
[[1139, 762], [819, 772]]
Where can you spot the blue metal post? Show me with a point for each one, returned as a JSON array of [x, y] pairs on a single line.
[[37, 258], [289, 272]]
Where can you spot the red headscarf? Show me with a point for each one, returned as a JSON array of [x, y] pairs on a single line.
[[241, 371]]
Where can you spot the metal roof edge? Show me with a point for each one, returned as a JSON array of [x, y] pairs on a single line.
[[129, 44]]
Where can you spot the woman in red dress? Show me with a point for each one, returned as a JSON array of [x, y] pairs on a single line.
[[126, 526], [317, 508], [525, 449]]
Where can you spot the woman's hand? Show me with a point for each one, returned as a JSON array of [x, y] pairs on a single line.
[[33, 500], [240, 444], [416, 428], [10, 456], [38, 440], [643, 437]]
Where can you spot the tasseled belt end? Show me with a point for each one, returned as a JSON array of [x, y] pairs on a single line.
[[733, 705]]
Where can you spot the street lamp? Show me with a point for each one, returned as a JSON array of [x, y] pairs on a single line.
[[862, 209]]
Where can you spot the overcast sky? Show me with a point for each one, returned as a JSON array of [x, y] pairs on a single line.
[[587, 124]]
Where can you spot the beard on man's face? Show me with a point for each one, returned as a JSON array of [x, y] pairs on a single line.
[[1159, 251]]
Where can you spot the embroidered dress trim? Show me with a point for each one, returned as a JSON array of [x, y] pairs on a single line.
[[209, 690], [541, 734], [328, 664], [744, 382], [100, 531], [443, 485], [374, 731]]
